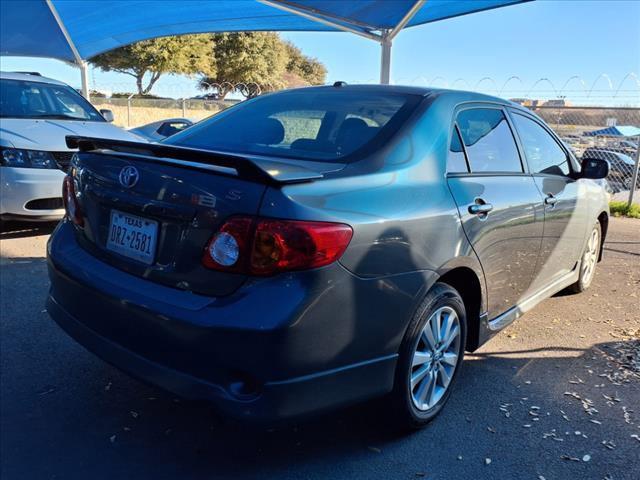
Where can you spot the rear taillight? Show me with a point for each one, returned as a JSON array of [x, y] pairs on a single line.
[[280, 245], [71, 202], [263, 246]]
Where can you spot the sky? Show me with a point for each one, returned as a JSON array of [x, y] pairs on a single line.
[[588, 51]]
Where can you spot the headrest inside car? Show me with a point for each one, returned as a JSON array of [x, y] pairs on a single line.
[[267, 131], [353, 133]]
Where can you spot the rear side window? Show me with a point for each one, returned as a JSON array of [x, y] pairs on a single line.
[[543, 153], [488, 140]]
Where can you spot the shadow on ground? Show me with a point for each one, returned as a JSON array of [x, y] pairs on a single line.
[[93, 415], [66, 414], [622, 247], [9, 230]]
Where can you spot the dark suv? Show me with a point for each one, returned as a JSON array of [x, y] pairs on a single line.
[[312, 248]]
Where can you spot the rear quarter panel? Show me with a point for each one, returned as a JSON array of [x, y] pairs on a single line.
[[397, 201]]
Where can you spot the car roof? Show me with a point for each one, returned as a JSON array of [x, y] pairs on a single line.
[[169, 120], [29, 77], [157, 123], [465, 96]]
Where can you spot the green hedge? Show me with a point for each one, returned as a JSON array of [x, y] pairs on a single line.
[[620, 209]]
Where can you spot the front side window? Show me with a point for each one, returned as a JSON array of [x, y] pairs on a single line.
[[324, 125], [488, 140], [38, 100], [543, 153]]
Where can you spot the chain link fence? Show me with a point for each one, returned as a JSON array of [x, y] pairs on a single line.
[[134, 112]]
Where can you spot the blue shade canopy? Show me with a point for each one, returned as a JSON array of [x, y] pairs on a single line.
[[75, 30], [618, 131]]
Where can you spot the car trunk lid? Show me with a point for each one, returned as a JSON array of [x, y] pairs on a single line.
[[178, 203]]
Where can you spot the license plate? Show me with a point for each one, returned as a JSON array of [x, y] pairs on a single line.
[[132, 236]]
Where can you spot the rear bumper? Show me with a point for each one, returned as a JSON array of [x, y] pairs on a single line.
[[276, 400], [19, 186], [271, 351]]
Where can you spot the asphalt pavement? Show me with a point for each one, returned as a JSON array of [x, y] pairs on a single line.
[[554, 396]]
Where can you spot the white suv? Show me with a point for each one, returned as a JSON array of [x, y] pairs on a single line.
[[36, 113]]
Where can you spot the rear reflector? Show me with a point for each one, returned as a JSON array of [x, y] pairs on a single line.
[[219, 252], [268, 246]]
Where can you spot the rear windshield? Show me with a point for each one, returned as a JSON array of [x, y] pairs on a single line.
[[24, 99], [330, 125]]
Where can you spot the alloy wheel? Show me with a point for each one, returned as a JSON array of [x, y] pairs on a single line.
[[590, 257], [435, 358]]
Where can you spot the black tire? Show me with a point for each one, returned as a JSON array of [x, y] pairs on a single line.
[[408, 415], [585, 277]]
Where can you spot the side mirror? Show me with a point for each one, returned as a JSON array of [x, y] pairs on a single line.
[[107, 114], [594, 168]]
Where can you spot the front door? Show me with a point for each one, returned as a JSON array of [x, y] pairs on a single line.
[[499, 204], [565, 219]]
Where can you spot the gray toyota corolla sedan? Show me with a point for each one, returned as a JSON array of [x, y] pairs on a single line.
[[313, 248]]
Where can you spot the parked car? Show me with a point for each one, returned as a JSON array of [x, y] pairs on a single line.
[[162, 129], [571, 140], [623, 146], [620, 167], [208, 96], [35, 114], [313, 248]]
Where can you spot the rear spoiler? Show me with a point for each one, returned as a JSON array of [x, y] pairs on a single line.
[[252, 169]]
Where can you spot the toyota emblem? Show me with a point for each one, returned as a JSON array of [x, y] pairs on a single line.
[[129, 176]]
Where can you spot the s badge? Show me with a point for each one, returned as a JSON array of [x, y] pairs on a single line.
[[204, 200], [234, 195]]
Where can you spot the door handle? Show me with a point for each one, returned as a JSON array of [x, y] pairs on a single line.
[[550, 200], [480, 208]]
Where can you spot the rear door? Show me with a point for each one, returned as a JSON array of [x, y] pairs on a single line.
[[565, 224], [499, 203]]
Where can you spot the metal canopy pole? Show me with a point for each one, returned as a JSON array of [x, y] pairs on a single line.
[[385, 61], [325, 21], [387, 41], [407, 17], [634, 177], [295, 5], [84, 73]]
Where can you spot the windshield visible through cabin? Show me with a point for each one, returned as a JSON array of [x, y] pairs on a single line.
[[38, 100]]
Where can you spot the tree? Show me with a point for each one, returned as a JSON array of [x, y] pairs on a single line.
[[308, 69], [185, 54], [248, 61]]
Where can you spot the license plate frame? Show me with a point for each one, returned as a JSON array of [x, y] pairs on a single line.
[[132, 236]]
